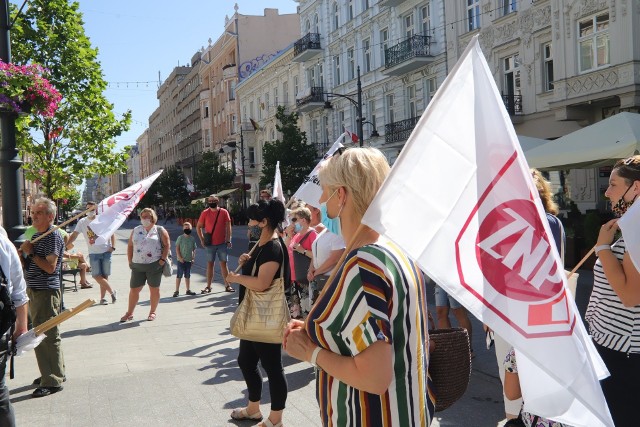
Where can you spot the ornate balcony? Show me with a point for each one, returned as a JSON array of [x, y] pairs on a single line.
[[307, 47], [310, 100], [513, 104], [399, 131], [408, 55]]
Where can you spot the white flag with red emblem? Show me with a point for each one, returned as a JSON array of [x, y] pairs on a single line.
[[482, 235], [629, 226], [113, 210], [278, 193]]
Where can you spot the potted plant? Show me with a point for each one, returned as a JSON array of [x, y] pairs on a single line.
[[24, 89]]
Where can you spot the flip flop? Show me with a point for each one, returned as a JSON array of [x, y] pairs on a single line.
[[228, 288], [240, 414]]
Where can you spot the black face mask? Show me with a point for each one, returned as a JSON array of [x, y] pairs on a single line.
[[187, 231], [213, 205]]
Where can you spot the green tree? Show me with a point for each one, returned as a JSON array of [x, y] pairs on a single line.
[[211, 176], [79, 142], [168, 189], [296, 157]]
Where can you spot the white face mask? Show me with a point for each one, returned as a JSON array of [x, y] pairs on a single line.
[[145, 222], [91, 214]]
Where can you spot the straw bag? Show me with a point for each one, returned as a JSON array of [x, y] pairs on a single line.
[[449, 364], [262, 316]]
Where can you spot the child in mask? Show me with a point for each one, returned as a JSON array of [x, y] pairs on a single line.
[[186, 253]]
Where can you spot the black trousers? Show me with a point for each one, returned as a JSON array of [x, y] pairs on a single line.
[[622, 388], [7, 417], [270, 357]]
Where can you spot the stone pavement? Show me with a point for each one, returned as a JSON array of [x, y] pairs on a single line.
[[181, 370]]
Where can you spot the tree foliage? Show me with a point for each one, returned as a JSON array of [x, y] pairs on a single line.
[[296, 157], [212, 177], [79, 142], [168, 189]]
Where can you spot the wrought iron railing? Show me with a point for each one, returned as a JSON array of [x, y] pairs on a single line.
[[513, 104], [416, 46], [316, 95], [399, 131], [310, 41]]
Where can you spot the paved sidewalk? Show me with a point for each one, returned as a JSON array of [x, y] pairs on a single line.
[[180, 370]]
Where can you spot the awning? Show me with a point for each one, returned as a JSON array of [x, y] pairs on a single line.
[[225, 192], [195, 201]]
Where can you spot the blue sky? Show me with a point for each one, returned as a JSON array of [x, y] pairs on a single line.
[[139, 38]]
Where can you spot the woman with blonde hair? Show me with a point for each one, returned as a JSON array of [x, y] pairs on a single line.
[[367, 332]]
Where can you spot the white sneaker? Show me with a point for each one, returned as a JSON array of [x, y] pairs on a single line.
[[103, 302]]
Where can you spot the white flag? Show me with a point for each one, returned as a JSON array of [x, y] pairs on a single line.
[[113, 210], [310, 190], [486, 241], [629, 225], [278, 193]]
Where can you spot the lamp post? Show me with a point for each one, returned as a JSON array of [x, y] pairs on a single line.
[[232, 144]]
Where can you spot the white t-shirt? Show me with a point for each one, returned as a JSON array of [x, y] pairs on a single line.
[[84, 228], [325, 243]]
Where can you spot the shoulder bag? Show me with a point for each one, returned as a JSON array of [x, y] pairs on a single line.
[[208, 237], [301, 262], [167, 268], [262, 316]]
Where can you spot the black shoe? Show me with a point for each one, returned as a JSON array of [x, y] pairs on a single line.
[[37, 380], [190, 292], [45, 391], [175, 294]]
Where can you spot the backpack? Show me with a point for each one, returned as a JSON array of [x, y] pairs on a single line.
[[7, 307]]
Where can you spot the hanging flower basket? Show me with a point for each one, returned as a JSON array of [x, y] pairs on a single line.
[[24, 89]]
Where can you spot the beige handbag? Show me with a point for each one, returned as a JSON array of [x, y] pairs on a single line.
[[262, 316]]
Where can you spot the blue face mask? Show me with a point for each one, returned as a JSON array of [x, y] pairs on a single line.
[[297, 227], [332, 224]]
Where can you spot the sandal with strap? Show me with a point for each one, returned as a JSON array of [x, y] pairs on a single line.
[[127, 316], [206, 290], [228, 288], [267, 423], [240, 414], [152, 317]]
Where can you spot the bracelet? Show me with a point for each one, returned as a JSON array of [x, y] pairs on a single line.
[[602, 248], [314, 357]]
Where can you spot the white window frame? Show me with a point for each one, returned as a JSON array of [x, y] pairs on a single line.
[[384, 44], [412, 102], [594, 40], [336, 16], [390, 108], [285, 93], [508, 6], [408, 24], [371, 107], [473, 15], [337, 75], [425, 19], [547, 66], [366, 44], [351, 13], [351, 63]]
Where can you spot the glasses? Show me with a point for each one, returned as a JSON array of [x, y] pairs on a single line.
[[294, 219]]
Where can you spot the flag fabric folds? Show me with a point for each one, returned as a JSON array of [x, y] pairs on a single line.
[[310, 190], [278, 193], [485, 240], [113, 210], [348, 134], [628, 224]]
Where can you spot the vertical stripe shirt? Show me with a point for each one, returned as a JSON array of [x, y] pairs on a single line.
[[612, 325], [378, 294]]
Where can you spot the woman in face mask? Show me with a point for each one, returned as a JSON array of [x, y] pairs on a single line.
[[300, 246], [147, 252], [367, 331], [613, 313]]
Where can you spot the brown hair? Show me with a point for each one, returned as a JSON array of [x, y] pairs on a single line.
[[544, 190], [628, 168], [302, 212]]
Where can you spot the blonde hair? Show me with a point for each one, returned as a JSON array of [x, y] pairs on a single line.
[[187, 223], [303, 213], [544, 190], [151, 212], [361, 171]]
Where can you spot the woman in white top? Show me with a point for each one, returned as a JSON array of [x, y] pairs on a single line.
[[147, 252]]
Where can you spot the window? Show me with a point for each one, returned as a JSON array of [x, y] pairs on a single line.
[[252, 110], [354, 119], [365, 4], [316, 24], [336, 63], [341, 120], [307, 26], [593, 39], [512, 75], [412, 105], [391, 117], [350, 11], [206, 110], [325, 129], [336, 15], [321, 75], [473, 14], [384, 44], [314, 131], [547, 55], [233, 124], [295, 85], [372, 112], [508, 6], [351, 64], [408, 26], [425, 17], [266, 102], [285, 93], [260, 108], [432, 87], [207, 138], [232, 91], [367, 55], [251, 154], [276, 101]]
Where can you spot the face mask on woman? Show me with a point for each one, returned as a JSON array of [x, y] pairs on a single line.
[[187, 231], [621, 206], [332, 224], [297, 227], [145, 222]]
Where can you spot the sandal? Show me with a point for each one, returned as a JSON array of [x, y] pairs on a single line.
[[152, 317], [267, 423], [240, 414], [85, 286], [206, 290], [127, 316], [228, 288]]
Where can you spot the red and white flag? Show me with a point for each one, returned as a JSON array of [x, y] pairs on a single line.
[[278, 193], [310, 190], [629, 225], [113, 210], [350, 135], [486, 241]]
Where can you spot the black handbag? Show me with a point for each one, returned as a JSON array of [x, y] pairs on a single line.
[[208, 237], [301, 263]]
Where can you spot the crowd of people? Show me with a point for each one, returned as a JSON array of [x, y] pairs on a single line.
[[358, 312]]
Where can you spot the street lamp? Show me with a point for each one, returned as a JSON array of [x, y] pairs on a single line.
[[232, 144]]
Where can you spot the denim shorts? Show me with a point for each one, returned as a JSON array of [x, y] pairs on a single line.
[[184, 269], [100, 264], [220, 250], [443, 299]]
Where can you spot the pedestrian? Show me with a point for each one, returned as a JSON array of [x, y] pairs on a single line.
[[42, 274], [147, 253], [444, 301], [367, 332], [269, 262], [99, 253], [15, 288], [186, 253], [300, 249], [613, 313], [214, 232]]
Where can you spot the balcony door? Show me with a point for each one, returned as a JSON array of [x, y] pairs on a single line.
[[511, 88]]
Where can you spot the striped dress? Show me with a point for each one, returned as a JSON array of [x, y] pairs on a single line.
[[612, 325], [377, 295]]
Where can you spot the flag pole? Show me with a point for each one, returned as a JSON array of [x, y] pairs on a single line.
[[55, 227], [582, 261]]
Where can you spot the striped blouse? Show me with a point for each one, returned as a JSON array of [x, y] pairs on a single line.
[[612, 325], [377, 295]]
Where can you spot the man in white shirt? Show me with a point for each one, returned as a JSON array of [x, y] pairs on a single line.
[[99, 254]]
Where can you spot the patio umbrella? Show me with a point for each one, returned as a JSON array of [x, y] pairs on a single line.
[[599, 144]]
